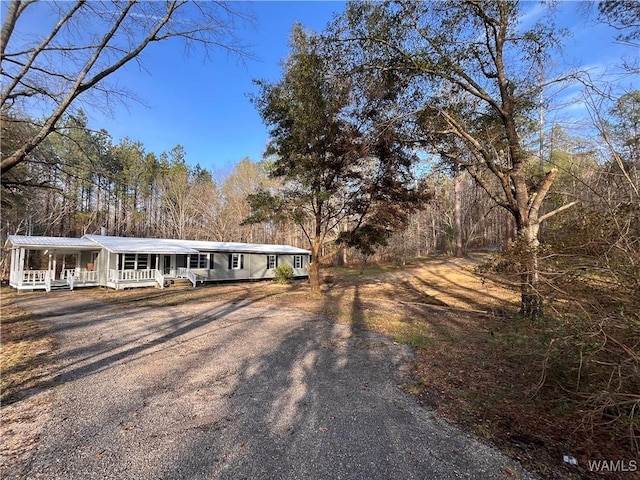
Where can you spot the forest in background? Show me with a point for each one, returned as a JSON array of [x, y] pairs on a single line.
[[80, 180]]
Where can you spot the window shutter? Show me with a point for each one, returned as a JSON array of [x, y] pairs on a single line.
[[211, 262], [276, 260], [230, 260], [241, 261]]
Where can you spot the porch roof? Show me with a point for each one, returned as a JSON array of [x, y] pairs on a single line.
[[54, 243]]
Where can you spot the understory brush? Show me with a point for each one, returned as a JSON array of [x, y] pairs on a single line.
[[586, 351]]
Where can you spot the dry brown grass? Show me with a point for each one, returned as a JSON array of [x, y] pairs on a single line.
[[26, 363], [27, 349]]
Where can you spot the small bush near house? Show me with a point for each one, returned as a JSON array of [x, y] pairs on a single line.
[[283, 273]]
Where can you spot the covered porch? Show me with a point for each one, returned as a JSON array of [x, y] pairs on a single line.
[[47, 263], [141, 269]]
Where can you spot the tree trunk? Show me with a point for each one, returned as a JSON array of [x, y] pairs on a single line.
[[531, 299], [314, 273], [457, 193]]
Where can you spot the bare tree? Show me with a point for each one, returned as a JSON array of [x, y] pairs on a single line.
[[86, 43]]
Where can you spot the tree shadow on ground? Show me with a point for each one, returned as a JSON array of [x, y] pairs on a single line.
[[323, 402], [243, 388], [105, 350]]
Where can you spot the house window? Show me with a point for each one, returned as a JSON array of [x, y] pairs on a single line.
[[198, 261], [236, 261], [129, 261], [272, 261], [135, 261], [297, 261], [143, 262]]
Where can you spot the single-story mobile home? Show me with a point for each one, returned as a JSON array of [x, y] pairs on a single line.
[[123, 262]]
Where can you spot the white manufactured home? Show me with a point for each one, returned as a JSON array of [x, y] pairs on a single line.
[[123, 262]]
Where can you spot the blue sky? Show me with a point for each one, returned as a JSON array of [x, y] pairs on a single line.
[[203, 105]]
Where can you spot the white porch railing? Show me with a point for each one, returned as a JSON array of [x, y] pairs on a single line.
[[33, 276], [131, 275], [159, 278], [45, 278], [86, 276], [181, 272], [193, 278], [80, 275]]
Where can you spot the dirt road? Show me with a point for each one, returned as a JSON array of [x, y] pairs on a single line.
[[235, 389]]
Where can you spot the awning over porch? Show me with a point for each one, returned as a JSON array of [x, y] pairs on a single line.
[[55, 243], [47, 262]]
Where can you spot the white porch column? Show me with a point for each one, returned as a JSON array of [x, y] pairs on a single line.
[[108, 264], [13, 271], [55, 264], [21, 264]]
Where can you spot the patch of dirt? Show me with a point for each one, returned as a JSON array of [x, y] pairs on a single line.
[[22, 423]]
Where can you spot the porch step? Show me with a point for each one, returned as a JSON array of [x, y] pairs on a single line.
[[180, 282]]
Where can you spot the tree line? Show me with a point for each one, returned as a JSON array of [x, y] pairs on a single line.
[[81, 181]]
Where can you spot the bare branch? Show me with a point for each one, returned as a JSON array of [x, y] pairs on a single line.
[[556, 211], [37, 51], [130, 29]]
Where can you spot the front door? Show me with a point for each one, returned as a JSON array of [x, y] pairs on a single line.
[[167, 265]]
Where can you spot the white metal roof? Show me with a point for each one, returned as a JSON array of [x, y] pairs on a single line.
[[172, 246], [140, 245], [53, 242], [148, 245], [244, 247]]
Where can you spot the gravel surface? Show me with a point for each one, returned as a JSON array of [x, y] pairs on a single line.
[[236, 389]]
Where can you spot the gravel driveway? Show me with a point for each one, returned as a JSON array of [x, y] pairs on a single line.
[[236, 389]]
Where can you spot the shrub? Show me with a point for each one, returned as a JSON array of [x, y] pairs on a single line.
[[283, 273]]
